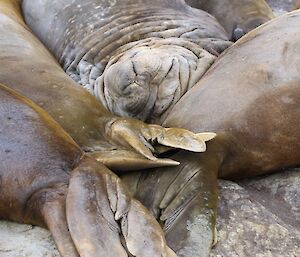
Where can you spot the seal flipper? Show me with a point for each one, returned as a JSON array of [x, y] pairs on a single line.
[[100, 211], [184, 199], [189, 205], [143, 140]]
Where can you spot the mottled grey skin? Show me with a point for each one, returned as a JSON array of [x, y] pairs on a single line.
[[238, 17], [137, 57]]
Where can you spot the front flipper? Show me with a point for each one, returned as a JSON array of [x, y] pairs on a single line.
[[142, 141], [96, 216], [189, 206], [143, 138], [101, 215], [184, 199]]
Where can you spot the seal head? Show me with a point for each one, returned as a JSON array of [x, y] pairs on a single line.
[[146, 78]]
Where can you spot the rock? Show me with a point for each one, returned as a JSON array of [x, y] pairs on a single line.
[[260, 217], [25, 241]]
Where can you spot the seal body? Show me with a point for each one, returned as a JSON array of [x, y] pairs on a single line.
[[158, 49], [238, 17], [253, 101], [47, 180]]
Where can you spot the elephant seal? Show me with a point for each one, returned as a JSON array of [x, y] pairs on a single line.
[[183, 198], [250, 97], [119, 143], [47, 180], [238, 17], [137, 57]]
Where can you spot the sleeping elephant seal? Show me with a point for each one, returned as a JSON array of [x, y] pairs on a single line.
[[119, 143], [46, 180], [238, 17], [250, 97], [137, 57]]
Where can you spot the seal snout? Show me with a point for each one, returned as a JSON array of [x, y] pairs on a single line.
[[125, 86], [144, 81]]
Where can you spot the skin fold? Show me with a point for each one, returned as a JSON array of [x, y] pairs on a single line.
[[47, 180], [29, 68], [238, 17], [137, 57]]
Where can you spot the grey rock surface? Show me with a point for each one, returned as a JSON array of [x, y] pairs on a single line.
[[25, 241], [260, 217]]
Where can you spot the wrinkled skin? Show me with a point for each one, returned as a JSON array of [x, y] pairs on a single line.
[[145, 54], [47, 180], [238, 17], [29, 68]]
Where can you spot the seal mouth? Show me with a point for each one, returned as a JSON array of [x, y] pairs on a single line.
[[146, 78]]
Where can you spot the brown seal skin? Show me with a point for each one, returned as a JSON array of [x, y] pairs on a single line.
[[137, 57], [250, 97], [46, 180], [29, 68], [296, 4], [86, 34], [238, 17]]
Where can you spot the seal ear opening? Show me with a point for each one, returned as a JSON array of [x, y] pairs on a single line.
[[237, 34]]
